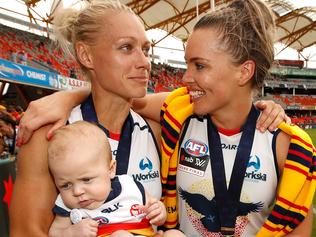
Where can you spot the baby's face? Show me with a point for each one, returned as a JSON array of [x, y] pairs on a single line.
[[83, 183]]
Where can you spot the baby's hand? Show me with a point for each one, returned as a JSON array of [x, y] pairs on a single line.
[[155, 211], [85, 228]]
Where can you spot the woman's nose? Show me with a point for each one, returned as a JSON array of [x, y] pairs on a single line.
[[143, 61], [187, 77]]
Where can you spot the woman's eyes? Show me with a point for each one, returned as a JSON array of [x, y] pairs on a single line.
[[126, 47], [146, 50], [199, 66], [130, 47]]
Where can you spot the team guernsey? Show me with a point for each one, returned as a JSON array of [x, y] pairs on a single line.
[[118, 212], [197, 218], [191, 153], [135, 150]]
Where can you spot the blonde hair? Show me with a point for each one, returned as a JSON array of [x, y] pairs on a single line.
[[246, 29], [78, 135], [85, 25]]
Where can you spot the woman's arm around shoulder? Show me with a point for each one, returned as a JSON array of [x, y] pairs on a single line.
[[34, 190], [54, 108], [150, 105]]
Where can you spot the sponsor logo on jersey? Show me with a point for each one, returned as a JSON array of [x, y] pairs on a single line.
[[229, 146], [134, 210], [253, 170], [112, 208], [194, 157], [195, 148], [101, 220], [146, 164], [147, 173]]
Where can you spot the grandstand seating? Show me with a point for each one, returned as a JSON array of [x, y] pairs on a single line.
[[296, 100], [40, 51]]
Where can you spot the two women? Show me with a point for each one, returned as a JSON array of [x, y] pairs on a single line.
[[109, 43]]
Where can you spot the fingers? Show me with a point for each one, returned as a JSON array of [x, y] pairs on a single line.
[[91, 225], [156, 213], [287, 119], [25, 132], [57, 125], [272, 115]]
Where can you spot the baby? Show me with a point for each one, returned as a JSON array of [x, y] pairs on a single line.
[[92, 200]]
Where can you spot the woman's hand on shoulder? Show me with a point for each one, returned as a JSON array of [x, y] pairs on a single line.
[[52, 109], [272, 115]]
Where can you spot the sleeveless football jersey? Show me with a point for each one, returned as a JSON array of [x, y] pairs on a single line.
[[118, 212], [198, 216], [139, 155]]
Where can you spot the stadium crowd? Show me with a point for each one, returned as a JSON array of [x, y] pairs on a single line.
[[41, 52]]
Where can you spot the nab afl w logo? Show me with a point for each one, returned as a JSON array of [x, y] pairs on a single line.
[[146, 164], [195, 148], [194, 157]]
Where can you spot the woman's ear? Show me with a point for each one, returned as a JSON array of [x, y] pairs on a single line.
[[112, 169], [247, 72], [84, 55]]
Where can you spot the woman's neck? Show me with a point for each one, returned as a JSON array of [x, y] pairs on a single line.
[[231, 118], [111, 110]]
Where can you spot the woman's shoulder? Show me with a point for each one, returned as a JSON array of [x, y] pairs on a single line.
[[38, 141]]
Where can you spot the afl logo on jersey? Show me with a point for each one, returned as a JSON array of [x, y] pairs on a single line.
[[195, 148]]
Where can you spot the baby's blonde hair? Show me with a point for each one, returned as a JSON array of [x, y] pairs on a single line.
[[82, 135]]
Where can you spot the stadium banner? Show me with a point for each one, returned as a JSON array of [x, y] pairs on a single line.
[[18, 73]]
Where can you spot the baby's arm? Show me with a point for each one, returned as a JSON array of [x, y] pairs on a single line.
[[62, 226], [155, 211]]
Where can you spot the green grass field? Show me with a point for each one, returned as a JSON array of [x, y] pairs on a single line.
[[312, 133]]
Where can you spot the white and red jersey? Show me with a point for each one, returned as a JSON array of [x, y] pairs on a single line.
[[140, 158], [194, 179], [119, 211]]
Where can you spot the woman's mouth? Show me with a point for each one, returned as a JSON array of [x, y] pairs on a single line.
[[196, 94]]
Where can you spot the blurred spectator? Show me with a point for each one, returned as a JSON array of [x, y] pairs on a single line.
[[13, 56], [20, 110], [22, 57], [7, 135], [11, 110]]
